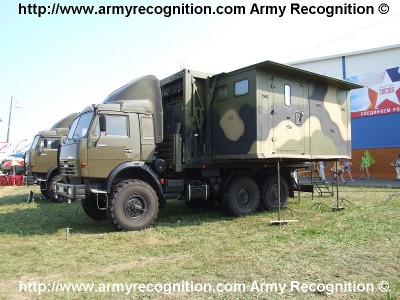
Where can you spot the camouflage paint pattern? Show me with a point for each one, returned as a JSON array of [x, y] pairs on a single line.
[[313, 124]]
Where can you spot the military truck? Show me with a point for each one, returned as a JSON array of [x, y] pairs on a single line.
[[41, 159], [201, 138]]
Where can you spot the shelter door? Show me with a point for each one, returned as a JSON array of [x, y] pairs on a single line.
[[288, 115]]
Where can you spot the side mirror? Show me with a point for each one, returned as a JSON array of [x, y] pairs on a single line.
[[45, 144], [102, 123]]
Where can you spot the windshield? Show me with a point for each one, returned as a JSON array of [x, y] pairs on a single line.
[[35, 142], [80, 126]]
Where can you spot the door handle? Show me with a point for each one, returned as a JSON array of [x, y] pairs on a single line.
[[299, 117], [128, 150], [101, 145]]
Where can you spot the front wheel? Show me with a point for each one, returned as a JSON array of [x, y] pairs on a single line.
[[134, 205]]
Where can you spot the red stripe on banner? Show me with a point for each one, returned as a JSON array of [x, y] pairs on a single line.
[[375, 112]]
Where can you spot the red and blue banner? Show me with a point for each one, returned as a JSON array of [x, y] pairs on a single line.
[[380, 95]]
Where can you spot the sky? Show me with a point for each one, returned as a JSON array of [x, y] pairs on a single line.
[[54, 65]]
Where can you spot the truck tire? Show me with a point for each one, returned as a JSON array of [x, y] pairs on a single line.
[[51, 192], [90, 208], [133, 205], [241, 197], [269, 194], [43, 189]]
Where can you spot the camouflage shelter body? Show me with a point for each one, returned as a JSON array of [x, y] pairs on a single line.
[[265, 111]]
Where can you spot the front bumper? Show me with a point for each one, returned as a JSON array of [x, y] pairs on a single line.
[[28, 180], [71, 191]]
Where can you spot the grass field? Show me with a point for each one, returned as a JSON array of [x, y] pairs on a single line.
[[239, 258]]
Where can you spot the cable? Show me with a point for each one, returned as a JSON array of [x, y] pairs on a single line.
[[343, 36]]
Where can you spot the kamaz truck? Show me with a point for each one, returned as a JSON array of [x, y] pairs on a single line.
[[201, 138], [41, 159]]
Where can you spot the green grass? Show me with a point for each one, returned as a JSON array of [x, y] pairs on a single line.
[[358, 245]]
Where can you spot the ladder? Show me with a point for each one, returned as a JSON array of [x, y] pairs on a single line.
[[322, 187]]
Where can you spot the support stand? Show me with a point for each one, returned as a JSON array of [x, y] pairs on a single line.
[[337, 208], [279, 221], [67, 232]]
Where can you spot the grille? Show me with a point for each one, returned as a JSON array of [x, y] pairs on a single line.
[[68, 168]]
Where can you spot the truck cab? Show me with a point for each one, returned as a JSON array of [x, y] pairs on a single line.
[[41, 159]]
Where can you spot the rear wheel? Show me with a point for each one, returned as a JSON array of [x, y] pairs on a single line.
[[269, 194], [134, 205], [241, 197], [91, 209]]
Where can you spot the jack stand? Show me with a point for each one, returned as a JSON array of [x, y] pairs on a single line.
[[337, 208], [31, 197], [279, 221], [67, 231]]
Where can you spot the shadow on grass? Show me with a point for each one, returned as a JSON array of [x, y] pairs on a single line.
[[44, 217], [178, 213], [13, 199]]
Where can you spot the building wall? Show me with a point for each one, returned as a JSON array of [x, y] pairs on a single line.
[[356, 63], [376, 132], [383, 158], [380, 134]]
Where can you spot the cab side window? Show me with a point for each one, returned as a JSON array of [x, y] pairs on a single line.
[[49, 143], [116, 126]]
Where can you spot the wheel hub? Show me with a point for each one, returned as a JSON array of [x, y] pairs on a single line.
[[244, 196], [135, 206]]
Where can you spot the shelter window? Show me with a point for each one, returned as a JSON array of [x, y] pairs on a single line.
[[221, 93], [241, 87], [288, 97]]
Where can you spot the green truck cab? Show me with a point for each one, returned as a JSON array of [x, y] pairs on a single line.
[[201, 138], [41, 159]]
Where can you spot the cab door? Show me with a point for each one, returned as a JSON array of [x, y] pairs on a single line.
[[46, 154], [288, 115], [107, 150]]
